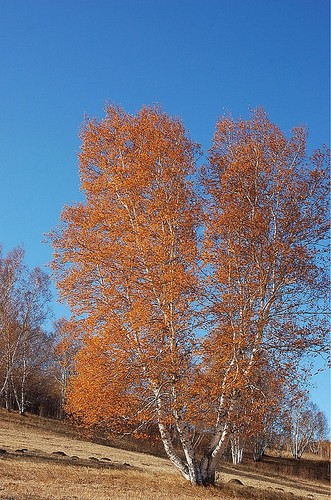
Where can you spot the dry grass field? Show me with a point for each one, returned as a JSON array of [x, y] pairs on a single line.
[[43, 459]]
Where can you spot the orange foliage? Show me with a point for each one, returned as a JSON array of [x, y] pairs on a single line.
[[267, 211], [133, 253]]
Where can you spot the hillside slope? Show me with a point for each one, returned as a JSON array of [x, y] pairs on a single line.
[[42, 459]]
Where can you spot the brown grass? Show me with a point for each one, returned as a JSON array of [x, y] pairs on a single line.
[[27, 479], [86, 470]]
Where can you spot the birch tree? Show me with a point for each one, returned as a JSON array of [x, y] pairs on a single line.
[[265, 256], [10, 273], [65, 351], [177, 301], [24, 306], [307, 425]]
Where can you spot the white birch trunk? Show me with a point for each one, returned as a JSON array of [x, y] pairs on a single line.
[[237, 450]]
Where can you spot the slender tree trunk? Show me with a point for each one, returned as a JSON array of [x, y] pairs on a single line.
[[17, 399], [236, 450], [7, 397], [23, 399], [259, 449], [171, 452], [6, 387]]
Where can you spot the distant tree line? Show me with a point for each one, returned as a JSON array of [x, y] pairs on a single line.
[[31, 377]]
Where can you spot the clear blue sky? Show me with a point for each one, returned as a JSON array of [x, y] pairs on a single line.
[[60, 59]]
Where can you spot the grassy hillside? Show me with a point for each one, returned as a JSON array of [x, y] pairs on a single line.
[[44, 459]]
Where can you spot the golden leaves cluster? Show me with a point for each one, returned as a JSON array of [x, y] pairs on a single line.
[[182, 302]]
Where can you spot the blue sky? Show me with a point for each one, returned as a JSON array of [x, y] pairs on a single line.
[[60, 59]]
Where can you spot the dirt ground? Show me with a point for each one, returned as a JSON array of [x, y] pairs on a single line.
[[40, 463]]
